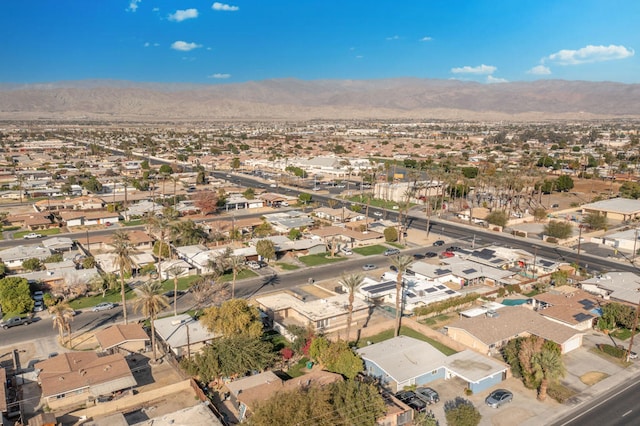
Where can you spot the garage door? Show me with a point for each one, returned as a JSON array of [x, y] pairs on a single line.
[[574, 343]]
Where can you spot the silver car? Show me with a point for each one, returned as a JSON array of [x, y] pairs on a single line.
[[498, 397], [104, 306]]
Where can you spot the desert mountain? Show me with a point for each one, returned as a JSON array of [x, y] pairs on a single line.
[[291, 99]]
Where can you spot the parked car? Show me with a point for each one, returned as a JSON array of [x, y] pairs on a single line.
[[378, 214], [38, 296], [172, 293], [393, 268], [428, 395], [438, 243], [632, 354], [108, 224], [412, 400], [346, 251], [498, 397], [38, 306], [15, 321], [430, 254], [453, 248], [31, 236], [284, 204], [391, 252], [418, 256], [104, 306], [368, 267], [447, 254]]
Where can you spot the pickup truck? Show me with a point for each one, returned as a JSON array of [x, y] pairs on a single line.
[[15, 321]]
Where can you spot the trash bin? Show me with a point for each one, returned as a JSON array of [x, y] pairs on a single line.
[[309, 365]]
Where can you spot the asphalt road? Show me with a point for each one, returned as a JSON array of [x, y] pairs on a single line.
[[616, 407]]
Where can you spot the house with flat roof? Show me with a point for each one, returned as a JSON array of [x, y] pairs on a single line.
[[623, 209], [182, 334], [291, 219], [405, 361], [78, 378], [350, 237], [487, 334], [326, 315], [14, 256], [619, 286]]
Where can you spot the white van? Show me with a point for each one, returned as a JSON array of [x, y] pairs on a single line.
[[346, 251]]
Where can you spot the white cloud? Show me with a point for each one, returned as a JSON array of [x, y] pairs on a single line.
[[426, 39], [184, 46], [155, 9], [133, 5], [539, 70], [181, 15], [395, 37], [219, 75], [359, 57], [492, 79], [590, 54], [224, 7], [480, 69], [147, 44]]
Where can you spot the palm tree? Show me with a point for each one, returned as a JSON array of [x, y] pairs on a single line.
[[351, 283], [160, 224], [548, 366], [123, 250], [150, 302], [175, 271], [62, 316], [401, 262], [236, 263]]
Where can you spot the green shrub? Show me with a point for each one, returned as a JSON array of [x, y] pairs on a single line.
[[445, 305]]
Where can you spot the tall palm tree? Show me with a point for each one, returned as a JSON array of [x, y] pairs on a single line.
[[175, 271], [123, 250], [401, 262], [236, 264], [548, 366], [150, 302], [351, 283], [62, 316], [160, 224]]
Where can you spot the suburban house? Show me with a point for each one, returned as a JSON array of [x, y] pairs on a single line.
[[14, 256], [338, 215], [139, 241], [32, 221], [141, 209], [487, 334], [622, 209], [291, 219], [123, 338], [325, 315], [404, 361], [59, 244], [77, 203], [88, 218], [416, 292], [237, 202], [272, 199], [619, 286], [349, 237], [62, 278], [284, 245], [248, 391], [182, 335], [77, 378], [568, 306], [461, 273]]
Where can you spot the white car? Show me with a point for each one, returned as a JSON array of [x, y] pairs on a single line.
[[378, 214], [32, 236]]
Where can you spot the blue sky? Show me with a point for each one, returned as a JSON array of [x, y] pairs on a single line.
[[197, 41]]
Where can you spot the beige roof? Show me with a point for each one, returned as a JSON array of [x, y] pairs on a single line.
[[119, 334], [3, 390], [512, 321], [79, 370], [329, 231], [569, 305]]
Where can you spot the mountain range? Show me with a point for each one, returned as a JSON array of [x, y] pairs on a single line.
[[292, 99]]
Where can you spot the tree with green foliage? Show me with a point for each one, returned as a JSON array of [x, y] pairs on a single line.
[[558, 229], [336, 357], [351, 283], [401, 262], [545, 161], [3, 269], [560, 278], [266, 249], [308, 405], [165, 169], [123, 251], [234, 317], [230, 356], [564, 183], [539, 214], [295, 234], [62, 315], [201, 178], [150, 302], [54, 258], [498, 218], [89, 262], [304, 198], [235, 163], [92, 185], [630, 190], [425, 419], [596, 221], [469, 172], [548, 367], [15, 295], [461, 412], [249, 193], [32, 264], [356, 402], [390, 234]]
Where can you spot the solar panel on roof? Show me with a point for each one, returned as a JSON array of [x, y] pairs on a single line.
[[442, 271], [545, 262], [441, 287], [496, 261], [582, 317], [430, 290], [469, 271], [379, 287], [587, 304], [450, 292], [485, 253]]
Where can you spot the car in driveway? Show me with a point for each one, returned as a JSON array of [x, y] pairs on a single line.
[[32, 236], [438, 243], [418, 256], [38, 306], [412, 400], [453, 248], [498, 397], [368, 267], [447, 254], [430, 254], [632, 354], [391, 252], [104, 306], [428, 395]]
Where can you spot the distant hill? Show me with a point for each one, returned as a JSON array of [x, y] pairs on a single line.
[[291, 99]]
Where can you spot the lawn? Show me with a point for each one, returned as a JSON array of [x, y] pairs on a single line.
[[370, 250], [44, 232], [319, 259], [183, 282], [135, 222], [110, 296], [287, 266], [622, 333], [245, 273], [297, 369], [406, 331]]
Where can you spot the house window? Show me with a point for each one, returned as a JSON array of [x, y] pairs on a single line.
[[324, 323]]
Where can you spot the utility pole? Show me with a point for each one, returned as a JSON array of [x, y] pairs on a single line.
[[633, 330], [579, 242], [635, 242]]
